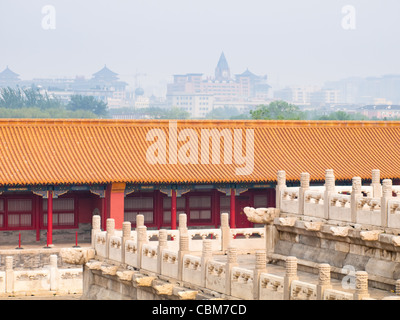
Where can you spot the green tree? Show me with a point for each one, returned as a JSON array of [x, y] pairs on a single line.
[[242, 116], [175, 113], [342, 116], [26, 98], [51, 113], [224, 112], [88, 103], [31, 103], [33, 98], [277, 110], [12, 98]]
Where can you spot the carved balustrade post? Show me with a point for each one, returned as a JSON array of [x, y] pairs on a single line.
[[126, 235], [397, 288], [141, 234], [271, 238], [324, 280], [304, 186], [291, 274], [9, 274], [96, 221], [110, 228], [205, 256], [225, 232], [232, 262], [139, 220], [386, 196], [183, 249], [361, 285], [376, 184], [329, 190], [182, 228], [53, 272], [261, 266], [355, 195], [281, 184], [162, 244]]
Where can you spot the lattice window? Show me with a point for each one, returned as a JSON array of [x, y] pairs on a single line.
[[66, 204], [2, 213], [63, 212], [224, 204], [200, 208], [19, 205], [180, 208], [200, 214], [200, 201], [19, 213], [260, 201], [139, 205]]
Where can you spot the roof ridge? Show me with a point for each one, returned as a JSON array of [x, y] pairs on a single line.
[[89, 151], [205, 122]]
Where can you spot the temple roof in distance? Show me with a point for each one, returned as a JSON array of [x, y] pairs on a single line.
[[248, 73], [35, 152], [8, 74], [105, 73]]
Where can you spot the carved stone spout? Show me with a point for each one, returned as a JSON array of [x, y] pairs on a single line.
[[261, 215]]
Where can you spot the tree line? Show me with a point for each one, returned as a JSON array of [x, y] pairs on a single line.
[[279, 110], [282, 110], [31, 103]]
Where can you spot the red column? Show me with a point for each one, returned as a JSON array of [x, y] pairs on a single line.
[[158, 209], [271, 197], [233, 209], [104, 212], [215, 208], [50, 218], [38, 215], [115, 203], [173, 209]]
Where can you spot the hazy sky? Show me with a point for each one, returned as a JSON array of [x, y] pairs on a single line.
[[292, 41]]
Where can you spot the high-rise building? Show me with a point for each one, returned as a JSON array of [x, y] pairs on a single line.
[[367, 90], [222, 71], [217, 90], [301, 95]]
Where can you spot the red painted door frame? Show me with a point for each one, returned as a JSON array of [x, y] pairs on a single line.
[[50, 218], [242, 201], [173, 209], [232, 222]]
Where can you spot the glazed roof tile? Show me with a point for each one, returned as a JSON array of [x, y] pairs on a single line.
[[37, 152]]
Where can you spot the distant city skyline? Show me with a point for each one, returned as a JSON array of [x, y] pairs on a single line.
[[293, 42], [141, 80]]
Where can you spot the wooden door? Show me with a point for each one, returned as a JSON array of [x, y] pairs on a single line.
[[241, 218]]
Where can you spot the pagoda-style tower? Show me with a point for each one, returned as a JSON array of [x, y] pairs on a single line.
[[105, 78], [222, 71], [8, 78], [105, 75]]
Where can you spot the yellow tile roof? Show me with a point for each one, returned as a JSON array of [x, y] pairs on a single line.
[[34, 152]]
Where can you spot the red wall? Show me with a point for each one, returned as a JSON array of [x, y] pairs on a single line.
[[86, 202]]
